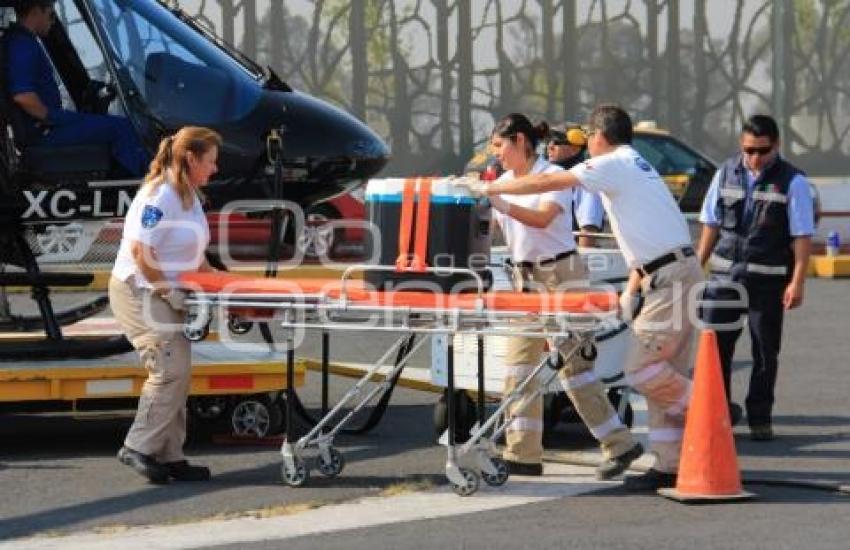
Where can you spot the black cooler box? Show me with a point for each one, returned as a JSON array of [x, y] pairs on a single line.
[[458, 234]]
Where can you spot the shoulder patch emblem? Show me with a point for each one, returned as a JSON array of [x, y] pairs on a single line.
[[151, 216], [642, 164]]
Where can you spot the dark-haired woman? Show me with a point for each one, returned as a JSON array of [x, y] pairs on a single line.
[[538, 232], [165, 234]]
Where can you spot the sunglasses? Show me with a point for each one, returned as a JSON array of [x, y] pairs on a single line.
[[558, 142], [762, 151]]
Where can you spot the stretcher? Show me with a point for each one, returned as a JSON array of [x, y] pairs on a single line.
[[569, 320]]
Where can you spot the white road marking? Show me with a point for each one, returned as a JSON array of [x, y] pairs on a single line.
[[559, 481]]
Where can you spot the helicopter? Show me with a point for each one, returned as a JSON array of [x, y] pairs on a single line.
[[153, 63]]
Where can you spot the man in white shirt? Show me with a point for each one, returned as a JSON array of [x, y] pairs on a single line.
[[654, 239]]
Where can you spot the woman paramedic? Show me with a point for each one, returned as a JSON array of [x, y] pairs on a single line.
[[165, 234], [538, 232]]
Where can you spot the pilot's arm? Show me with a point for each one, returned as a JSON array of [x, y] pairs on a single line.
[[32, 105]]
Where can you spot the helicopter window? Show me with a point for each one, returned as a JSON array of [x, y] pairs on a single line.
[[82, 39], [183, 78]]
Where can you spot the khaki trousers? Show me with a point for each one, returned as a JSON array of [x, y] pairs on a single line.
[[659, 357], [155, 330], [524, 435]]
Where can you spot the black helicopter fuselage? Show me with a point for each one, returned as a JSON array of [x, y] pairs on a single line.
[[325, 151], [192, 79]]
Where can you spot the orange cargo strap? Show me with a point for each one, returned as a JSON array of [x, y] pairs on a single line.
[[420, 245], [405, 226]]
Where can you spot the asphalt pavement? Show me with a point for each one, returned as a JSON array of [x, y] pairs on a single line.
[[59, 476]]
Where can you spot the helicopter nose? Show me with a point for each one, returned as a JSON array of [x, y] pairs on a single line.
[[317, 130]]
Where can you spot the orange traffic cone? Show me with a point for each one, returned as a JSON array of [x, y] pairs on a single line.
[[708, 465]]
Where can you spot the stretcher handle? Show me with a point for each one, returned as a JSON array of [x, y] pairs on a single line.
[[346, 275]]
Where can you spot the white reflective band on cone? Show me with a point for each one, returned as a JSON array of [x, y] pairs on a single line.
[[579, 380], [525, 424], [602, 430], [648, 372], [666, 435]]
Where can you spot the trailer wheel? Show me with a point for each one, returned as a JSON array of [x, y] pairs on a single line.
[[256, 416]]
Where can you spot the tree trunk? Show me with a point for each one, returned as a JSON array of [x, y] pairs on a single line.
[[674, 89], [549, 57], [464, 84], [506, 103], [228, 18], [249, 28], [278, 31], [652, 10], [359, 59], [401, 112], [700, 75], [569, 61], [445, 67]]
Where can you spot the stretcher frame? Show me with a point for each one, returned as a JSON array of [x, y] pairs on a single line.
[[567, 332]]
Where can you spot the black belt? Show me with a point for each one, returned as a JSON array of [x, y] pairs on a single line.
[[552, 260], [651, 267]]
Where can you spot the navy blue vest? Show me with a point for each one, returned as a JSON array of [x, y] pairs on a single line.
[[755, 241]]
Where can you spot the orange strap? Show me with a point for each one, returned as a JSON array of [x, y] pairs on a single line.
[[420, 246], [405, 226]]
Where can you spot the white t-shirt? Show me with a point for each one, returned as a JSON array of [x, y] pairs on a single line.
[[179, 237], [530, 244], [644, 215]]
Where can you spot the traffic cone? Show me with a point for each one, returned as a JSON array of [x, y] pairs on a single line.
[[708, 465]]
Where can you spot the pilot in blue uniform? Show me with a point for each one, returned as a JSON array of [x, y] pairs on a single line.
[[33, 88]]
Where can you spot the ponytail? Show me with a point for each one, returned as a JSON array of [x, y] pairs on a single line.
[[171, 164], [517, 123]]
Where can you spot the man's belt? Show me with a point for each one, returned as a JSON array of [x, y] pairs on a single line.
[[546, 261], [651, 267]]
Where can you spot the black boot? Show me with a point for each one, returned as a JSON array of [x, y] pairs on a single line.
[[524, 468], [651, 481], [612, 467], [183, 471], [144, 465]]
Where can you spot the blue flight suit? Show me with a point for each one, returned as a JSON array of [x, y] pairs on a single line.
[[29, 70]]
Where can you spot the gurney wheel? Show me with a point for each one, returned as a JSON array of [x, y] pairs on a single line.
[[500, 477], [334, 467], [197, 326], [297, 476], [470, 483], [238, 326]]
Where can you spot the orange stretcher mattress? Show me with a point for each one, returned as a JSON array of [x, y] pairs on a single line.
[[357, 293]]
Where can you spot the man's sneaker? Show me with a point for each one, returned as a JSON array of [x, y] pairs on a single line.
[[524, 469], [651, 481], [762, 432], [183, 471], [736, 413], [144, 465], [612, 467]]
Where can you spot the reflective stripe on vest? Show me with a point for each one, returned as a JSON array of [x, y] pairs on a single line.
[[770, 196], [720, 264], [732, 193]]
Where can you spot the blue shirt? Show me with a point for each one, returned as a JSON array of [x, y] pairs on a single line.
[[801, 217], [30, 70], [588, 207]]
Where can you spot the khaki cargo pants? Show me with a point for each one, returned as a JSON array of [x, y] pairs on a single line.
[[155, 330], [524, 435], [659, 358]]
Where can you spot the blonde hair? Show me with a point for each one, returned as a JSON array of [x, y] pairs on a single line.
[[172, 155]]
